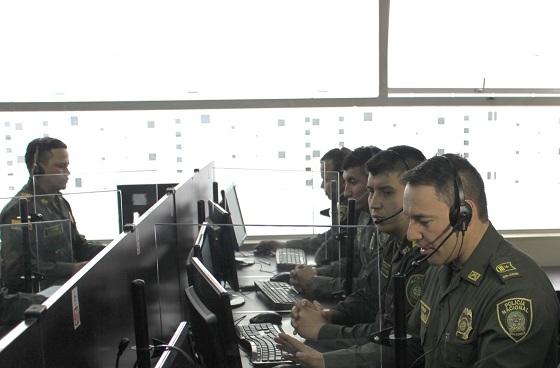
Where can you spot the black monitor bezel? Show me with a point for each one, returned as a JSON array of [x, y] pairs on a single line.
[[232, 189], [228, 244], [222, 349]]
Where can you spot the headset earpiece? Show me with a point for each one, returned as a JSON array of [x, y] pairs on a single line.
[[460, 213], [37, 169]]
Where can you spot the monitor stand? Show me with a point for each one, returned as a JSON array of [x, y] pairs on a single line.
[[235, 299]]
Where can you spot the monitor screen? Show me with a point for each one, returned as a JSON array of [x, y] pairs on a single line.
[[224, 259], [213, 330], [207, 248], [232, 206]]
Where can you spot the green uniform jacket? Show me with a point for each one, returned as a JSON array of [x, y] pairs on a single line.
[[54, 246], [353, 343], [330, 278], [498, 310]]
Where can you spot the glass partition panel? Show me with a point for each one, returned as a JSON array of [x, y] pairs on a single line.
[[35, 255], [95, 213], [279, 197]]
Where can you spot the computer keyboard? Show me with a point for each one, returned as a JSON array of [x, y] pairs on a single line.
[[258, 340], [288, 258], [280, 294]]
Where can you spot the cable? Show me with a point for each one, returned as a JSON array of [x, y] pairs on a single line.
[[236, 322], [123, 344]]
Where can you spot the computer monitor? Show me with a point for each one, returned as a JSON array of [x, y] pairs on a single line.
[[227, 245], [213, 330], [207, 248], [232, 206]]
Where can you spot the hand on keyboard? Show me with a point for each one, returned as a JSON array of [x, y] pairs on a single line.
[[302, 353], [308, 318], [301, 277]]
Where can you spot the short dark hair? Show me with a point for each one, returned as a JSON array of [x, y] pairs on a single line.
[[438, 173], [337, 156], [38, 150], [359, 157], [395, 159]]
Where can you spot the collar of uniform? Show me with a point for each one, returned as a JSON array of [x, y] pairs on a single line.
[[475, 267]]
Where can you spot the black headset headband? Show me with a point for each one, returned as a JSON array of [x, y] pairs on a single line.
[[460, 213], [401, 157]]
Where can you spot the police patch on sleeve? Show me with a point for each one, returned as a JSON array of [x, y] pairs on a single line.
[[515, 316], [414, 288]]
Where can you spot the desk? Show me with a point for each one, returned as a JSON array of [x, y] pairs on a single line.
[[262, 270]]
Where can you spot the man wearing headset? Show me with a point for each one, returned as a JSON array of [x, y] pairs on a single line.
[[344, 331], [324, 245], [57, 248], [484, 303], [323, 281]]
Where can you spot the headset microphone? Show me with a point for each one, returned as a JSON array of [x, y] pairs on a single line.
[[417, 262], [382, 220]]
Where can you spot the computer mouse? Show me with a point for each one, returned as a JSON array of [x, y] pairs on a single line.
[[286, 365], [281, 277], [267, 317], [263, 250]]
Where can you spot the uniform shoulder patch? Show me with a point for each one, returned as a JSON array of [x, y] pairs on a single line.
[[505, 269], [414, 288], [515, 316]]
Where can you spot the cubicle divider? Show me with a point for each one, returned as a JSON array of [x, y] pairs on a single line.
[[89, 314]]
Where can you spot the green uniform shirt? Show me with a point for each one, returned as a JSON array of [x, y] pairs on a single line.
[[330, 278], [498, 310], [54, 246], [353, 343]]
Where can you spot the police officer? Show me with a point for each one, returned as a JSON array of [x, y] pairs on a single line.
[[485, 303], [324, 245], [350, 346], [321, 282], [52, 258]]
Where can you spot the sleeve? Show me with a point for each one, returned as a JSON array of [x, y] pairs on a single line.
[[520, 329], [371, 355], [362, 305], [359, 307], [325, 286], [344, 337], [309, 244]]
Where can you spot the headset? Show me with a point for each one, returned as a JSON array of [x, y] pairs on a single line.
[[460, 213], [401, 158], [37, 169]]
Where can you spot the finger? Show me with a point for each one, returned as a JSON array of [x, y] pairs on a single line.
[[317, 305]]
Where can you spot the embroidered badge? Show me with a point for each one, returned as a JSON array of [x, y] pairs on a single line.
[[414, 288], [473, 276], [464, 325], [505, 267], [424, 312], [515, 316], [506, 270]]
